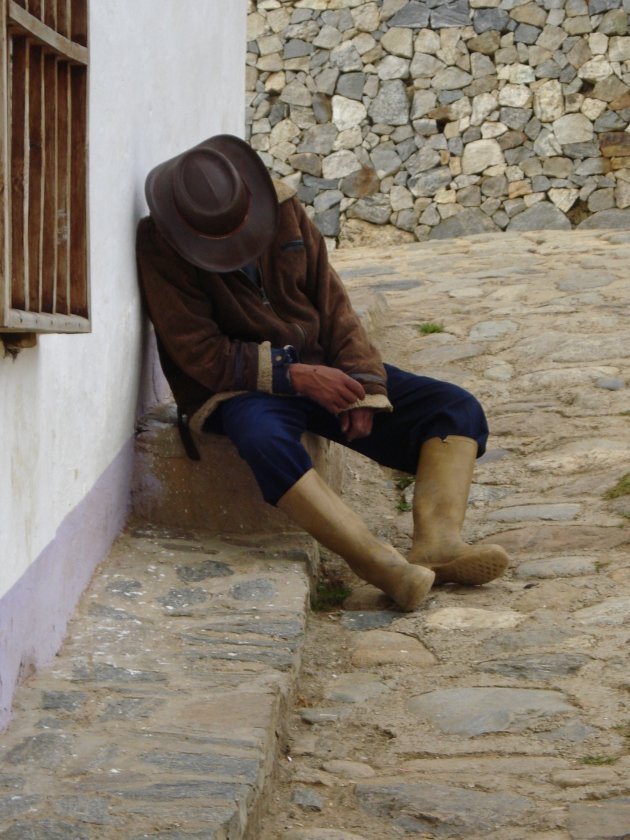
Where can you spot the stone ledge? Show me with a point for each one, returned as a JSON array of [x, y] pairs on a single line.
[[218, 493]]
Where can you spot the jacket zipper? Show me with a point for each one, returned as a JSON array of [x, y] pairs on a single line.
[[260, 288]]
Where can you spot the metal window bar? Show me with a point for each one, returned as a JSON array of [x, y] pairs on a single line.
[[44, 158]]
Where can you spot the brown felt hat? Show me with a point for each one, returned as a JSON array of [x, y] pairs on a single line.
[[215, 203]]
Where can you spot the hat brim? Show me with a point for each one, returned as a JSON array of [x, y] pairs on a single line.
[[238, 248]]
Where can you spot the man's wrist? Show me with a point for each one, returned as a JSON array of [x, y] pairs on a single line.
[[282, 359]]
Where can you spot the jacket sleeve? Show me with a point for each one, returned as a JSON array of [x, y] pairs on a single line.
[[341, 332], [182, 315]]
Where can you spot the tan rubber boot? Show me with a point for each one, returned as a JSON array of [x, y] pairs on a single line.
[[317, 508], [443, 482]]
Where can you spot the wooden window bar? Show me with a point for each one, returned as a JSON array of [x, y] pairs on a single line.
[[43, 166]]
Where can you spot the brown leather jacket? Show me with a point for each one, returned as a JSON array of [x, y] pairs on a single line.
[[216, 332]]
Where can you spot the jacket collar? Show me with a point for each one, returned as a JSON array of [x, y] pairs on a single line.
[[283, 191]]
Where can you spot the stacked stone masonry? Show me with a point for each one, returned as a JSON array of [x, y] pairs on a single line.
[[444, 117]]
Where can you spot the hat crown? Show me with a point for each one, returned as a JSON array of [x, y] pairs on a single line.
[[209, 193]]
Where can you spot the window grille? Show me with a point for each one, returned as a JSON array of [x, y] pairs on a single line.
[[43, 166]]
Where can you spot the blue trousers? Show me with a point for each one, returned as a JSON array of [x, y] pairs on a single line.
[[267, 429]]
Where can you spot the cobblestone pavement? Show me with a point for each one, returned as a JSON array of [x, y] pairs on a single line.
[[501, 711], [498, 712]]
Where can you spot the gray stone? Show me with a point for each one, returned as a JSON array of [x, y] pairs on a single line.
[[177, 599], [451, 78], [572, 733], [125, 588], [487, 19], [351, 85], [346, 58], [477, 711], [390, 105], [450, 13], [105, 673], [610, 383], [340, 164], [328, 221], [307, 162], [46, 749], [393, 67], [537, 667], [385, 159], [607, 219], [608, 819], [495, 185], [555, 567], [441, 810], [423, 160], [541, 216], [368, 620], [480, 155], [561, 512], [207, 763], [130, 708], [203, 571], [67, 701], [356, 687], [611, 612], [322, 108], [375, 209], [295, 48], [327, 199], [44, 830], [307, 799], [515, 118], [581, 280], [319, 140], [614, 22], [413, 15], [176, 791], [467, 223], [526, 34], [314, 716], [490, 330], [518, 641], [17, 804], [86, 809], [428, 183], [322, 834]]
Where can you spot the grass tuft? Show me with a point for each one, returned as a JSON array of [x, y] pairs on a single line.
[[428, 327]]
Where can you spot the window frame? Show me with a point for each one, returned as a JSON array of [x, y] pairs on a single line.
[[44, 267]]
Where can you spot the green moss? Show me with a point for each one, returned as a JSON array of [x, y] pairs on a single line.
[[621, 488], [329, 595], [599, 760]]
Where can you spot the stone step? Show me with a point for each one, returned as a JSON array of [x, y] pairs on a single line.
[[165, 708]]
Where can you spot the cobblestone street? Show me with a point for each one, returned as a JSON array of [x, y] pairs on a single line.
[[194, 667]]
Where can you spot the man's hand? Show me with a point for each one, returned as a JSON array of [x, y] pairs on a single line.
[[331, 388], [357, 423]]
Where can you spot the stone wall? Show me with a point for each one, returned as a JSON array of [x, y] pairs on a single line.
[[443, 118]]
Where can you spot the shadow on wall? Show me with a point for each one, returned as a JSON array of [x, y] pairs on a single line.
[[441, 119]]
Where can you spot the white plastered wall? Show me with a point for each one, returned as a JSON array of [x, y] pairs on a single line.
[[164, 74]]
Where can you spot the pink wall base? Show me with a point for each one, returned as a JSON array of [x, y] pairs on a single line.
[[34, 613]]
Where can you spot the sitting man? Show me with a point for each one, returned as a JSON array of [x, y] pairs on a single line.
[[258, 341]]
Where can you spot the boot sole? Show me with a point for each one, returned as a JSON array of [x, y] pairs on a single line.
[[484, 565]]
